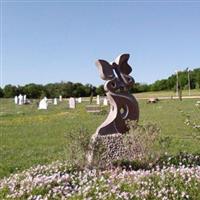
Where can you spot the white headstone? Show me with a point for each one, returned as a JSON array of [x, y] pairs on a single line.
[[21, 99], [55, 102], [24, 98], [72, 102], [60, 98], [98, 99], [43, 104], [79, 100], [105, 101], [16, 100]]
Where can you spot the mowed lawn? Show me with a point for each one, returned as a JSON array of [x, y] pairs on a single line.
[[194, 92], [29, 136]]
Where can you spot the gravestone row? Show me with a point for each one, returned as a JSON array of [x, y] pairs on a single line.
[[43, 104], [20, 100]]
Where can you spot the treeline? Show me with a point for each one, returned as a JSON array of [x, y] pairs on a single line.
[[170, 83], [69, 89], [51, 90]]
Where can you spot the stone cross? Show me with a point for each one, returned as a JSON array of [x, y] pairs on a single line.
[[72, 103], [123, 105]]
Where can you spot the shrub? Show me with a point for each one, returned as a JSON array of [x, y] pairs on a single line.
[[181, 159], [78, 146], [193, 122], [142, 137]]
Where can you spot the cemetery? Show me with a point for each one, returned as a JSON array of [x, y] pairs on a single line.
[[115, 147], [99, 100]]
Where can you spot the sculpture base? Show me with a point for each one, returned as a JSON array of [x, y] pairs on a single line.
[[109, 148]]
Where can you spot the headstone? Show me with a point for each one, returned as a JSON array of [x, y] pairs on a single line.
[[21, 99], [24, 99], [43, 104], [55, 102], [72, 103], [98, 99], [16, 100], [105, 101], [79, 100], [60, 98]]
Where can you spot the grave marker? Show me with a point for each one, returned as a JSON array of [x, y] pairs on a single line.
[[98, 100], [105, 101], [21, 99], [72, 103], [24, 99], [16, 100], [43, 105], [55, 102], [79, 100]]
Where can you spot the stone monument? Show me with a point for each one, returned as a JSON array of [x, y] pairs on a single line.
[[21, 99], [105, 101], [55, 102], [98, 100], [60, 98], [79, 100], [72, 103], [16, 100], [24, 99], [43, 104], [123, 107]]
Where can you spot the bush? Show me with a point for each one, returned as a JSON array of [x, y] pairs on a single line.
[[193, 122], [142, 137], [78, 146], [182, 159]]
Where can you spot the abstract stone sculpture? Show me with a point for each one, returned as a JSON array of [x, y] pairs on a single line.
[[123, 106]]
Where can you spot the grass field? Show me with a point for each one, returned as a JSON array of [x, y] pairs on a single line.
[[29, 136], [195, 92]]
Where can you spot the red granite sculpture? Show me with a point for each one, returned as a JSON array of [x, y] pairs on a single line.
[[123, 105]]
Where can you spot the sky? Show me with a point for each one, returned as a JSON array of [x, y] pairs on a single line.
[[50, 41]]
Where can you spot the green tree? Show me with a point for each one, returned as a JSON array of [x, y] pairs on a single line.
[[34, 91], [1, 92], [10, 91], [100, 90]]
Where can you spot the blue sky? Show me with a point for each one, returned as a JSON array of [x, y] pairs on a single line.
[[52, 41]]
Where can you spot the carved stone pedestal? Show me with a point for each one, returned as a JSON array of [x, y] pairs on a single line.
[[110, 148]]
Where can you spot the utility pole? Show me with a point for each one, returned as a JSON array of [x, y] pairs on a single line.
[[188, 81], [177, 85]]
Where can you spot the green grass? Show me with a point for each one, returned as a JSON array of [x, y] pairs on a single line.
[[29, 136], [194, 92]]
